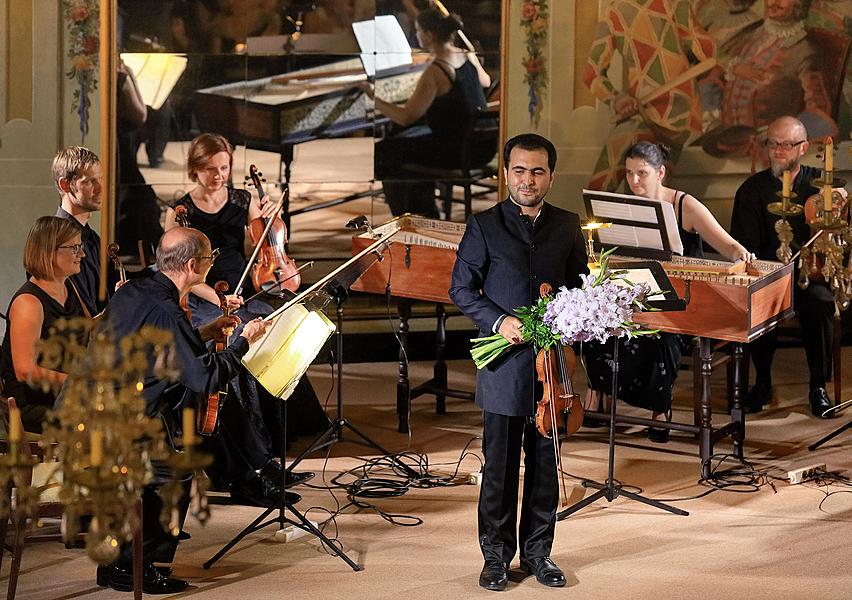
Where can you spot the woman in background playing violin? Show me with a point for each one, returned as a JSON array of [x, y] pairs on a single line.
[[648, 366], [222, 213]]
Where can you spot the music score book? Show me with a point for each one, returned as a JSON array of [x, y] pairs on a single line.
[[645, 226]]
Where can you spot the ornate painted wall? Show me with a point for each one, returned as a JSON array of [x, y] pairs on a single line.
[[735, 66], [35, 121]]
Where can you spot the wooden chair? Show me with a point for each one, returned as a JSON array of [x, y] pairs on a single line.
[[32, 444]]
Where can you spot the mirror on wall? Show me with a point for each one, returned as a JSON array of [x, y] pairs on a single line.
[[291, 84]]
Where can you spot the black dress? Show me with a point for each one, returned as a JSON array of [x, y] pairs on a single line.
[[647, 367], [440, 143], [35, 402]]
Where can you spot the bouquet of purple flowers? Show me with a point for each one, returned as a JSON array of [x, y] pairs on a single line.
[[602, 308]]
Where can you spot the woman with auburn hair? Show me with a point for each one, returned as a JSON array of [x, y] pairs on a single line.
[[52, 253]]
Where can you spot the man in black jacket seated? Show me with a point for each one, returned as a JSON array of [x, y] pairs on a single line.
[[754, 227], [506, 253], [184, 257]]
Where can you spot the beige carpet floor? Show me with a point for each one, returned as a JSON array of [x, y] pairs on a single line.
[[773, 541]]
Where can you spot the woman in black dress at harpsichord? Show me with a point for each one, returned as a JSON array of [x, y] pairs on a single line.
[[449, 94], [647, 367]]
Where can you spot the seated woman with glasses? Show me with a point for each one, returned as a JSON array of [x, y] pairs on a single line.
[[648, 366], [52, 253]]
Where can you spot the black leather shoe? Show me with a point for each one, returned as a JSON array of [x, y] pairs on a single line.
[[105, 571], [545, 570], [494, 576], [273, 469], [759, 394], [660, 435], [261, 491], [153, 582], [820, 402]]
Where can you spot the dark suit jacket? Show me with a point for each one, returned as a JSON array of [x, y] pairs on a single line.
[[502, 260]]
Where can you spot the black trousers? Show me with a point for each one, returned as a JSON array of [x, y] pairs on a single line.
[[815, 306], [503, 439], [158, 545]]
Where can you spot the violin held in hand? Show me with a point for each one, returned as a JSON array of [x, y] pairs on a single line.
[[273, 270]]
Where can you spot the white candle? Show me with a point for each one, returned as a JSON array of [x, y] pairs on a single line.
[[188, 427], [829, 155], [785, 184]]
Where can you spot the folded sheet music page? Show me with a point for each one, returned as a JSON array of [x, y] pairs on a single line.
[[383, 44], [634, 222]]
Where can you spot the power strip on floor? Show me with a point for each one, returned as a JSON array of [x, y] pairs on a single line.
[[805, 473], [291, 533]]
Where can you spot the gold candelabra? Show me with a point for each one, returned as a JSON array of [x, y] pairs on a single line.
[[827, 214], [101, 438], [785, 208]]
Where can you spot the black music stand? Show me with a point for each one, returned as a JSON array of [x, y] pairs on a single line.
[[339, 287], [612, 489]]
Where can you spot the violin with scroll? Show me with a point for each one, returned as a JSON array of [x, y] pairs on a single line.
[[273, 269], [208, 411], [554, 368], [112, 251]]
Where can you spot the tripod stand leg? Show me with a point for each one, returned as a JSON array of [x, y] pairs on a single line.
[[254, 526], [649, 502], [306, 525], [580, 505], [830, 436]]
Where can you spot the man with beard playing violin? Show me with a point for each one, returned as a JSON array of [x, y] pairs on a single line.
[[506, 253]]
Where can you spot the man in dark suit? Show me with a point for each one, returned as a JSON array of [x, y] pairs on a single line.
[[506, 253]]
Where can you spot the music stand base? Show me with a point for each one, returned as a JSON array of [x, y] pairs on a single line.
[[611, 490], [303, 523]]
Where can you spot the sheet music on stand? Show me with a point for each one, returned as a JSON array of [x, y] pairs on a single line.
[[640, 226], [156, 73], [383, 44]]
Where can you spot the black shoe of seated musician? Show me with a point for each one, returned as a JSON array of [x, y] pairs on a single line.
[[273, 470], [494, 576], [660, 435], [759, 394], [261, 491], [153, 581], [105, 571], [820, 402], [545, 570]]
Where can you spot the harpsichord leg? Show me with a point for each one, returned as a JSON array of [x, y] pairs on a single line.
[[705, 435], [439, 371], [403, 388], [737, 412]]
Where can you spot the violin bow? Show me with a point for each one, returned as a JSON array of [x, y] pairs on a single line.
[[440, 6]]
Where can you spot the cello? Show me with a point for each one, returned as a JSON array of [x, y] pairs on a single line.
[[272, 269], [554, 368]]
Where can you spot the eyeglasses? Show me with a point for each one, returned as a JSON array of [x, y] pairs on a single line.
[[214, 254], [786, 146], [75, 248]]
